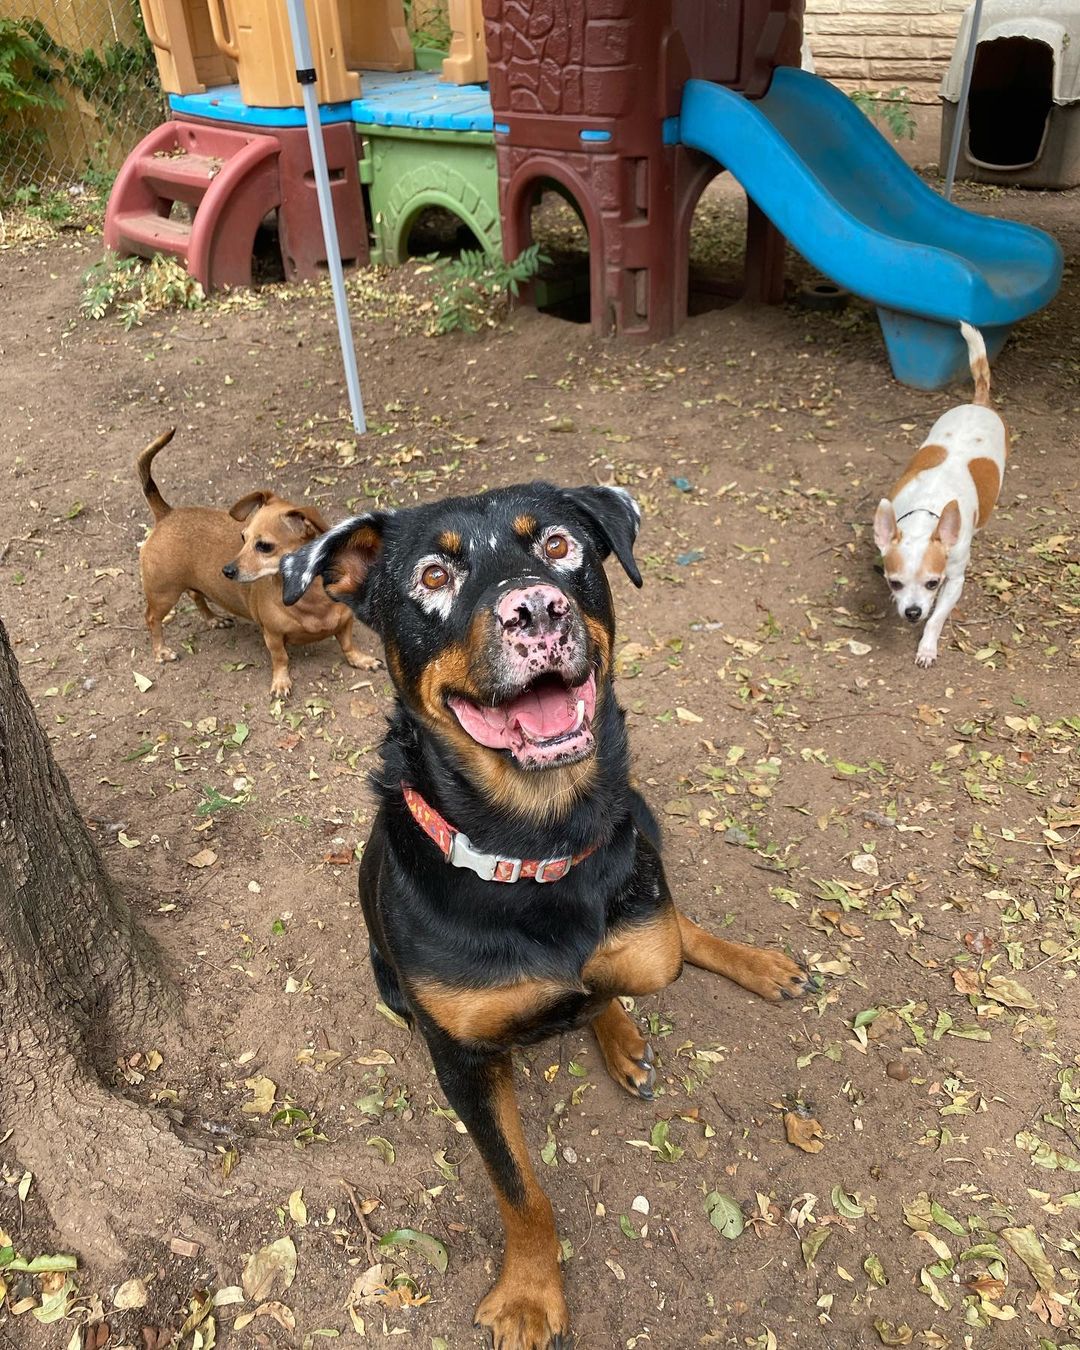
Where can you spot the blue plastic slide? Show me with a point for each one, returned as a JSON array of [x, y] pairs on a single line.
[[843, 197]]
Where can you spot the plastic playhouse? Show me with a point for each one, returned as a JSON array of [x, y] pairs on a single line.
[[626, 109]]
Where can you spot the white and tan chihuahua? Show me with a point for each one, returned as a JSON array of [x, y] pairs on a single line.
[[945, 495]]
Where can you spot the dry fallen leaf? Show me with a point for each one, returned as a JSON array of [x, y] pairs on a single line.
[[893, 1335], [804, 1132], [206, 857], [131, 1294], [264, 1091], [282, 1316], [297, 1208], [1009, 992], [966, 981], [270, 1265]]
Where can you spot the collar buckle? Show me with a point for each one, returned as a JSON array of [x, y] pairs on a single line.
[[487, 866], [463, 854]]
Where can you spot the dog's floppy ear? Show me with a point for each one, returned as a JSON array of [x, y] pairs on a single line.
[[306, 520], [948, 527], [343, 557], [885, 531], [613, 517], [252, 502]]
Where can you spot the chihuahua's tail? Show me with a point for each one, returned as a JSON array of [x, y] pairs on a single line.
[[980, 366], [151, 492]]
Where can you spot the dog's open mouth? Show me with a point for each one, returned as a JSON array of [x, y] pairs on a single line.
[[546, 726]]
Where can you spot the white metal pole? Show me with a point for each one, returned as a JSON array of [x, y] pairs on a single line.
[[962, 106], [305, 75]]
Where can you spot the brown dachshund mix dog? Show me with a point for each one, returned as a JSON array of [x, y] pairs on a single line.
[[512, 883], [231, 557]]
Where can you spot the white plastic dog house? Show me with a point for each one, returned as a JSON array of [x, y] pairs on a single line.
[[1023, 117]]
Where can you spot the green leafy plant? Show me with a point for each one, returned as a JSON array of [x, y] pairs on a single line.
[[133, 288], [26, 73], [476, 287], [433, 32], [892, 107], [119, 81]]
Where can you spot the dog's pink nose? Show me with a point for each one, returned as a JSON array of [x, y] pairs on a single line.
[[532, 611]]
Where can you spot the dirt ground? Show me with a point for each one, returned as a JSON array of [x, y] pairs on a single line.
[[913, 836]]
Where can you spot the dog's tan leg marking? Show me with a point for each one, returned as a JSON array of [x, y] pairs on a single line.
[[213, 620], [280, 683], [770, 974], [626, 1052], [987, 480], [526, 1310]]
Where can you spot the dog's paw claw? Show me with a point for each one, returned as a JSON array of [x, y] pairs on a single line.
[[643, 1089]]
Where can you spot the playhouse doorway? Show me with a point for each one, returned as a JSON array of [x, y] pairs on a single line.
[[717, 246], [1011, 101], [556, 223], [439, 231]]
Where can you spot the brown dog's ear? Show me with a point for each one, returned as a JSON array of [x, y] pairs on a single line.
[[246, 505], [306, 521], [948, 527], [344, 557], [885, 530]]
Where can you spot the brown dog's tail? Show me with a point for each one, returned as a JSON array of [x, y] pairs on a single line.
[[980, 366], [158, 504]]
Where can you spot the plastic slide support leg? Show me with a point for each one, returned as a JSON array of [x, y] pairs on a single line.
[[927, 354]]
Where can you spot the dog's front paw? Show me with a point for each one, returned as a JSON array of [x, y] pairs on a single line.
[[164, 654], [770, 974], [526, 1314], [627, 1054], [280, 686], [926, 656], [219, 621], [359, 661]]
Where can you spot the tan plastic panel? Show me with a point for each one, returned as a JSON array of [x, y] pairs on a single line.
[[189, 61], [376, 37], [467, 60], [255, 34]]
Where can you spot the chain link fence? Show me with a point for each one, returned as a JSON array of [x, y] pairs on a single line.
[[78, 88]]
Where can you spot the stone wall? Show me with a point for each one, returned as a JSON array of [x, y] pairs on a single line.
[[881, 45]]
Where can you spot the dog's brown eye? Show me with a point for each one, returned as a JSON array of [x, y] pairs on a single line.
[[896, 585], [264, 547], [556, 546], [434, 577], [933, 583]]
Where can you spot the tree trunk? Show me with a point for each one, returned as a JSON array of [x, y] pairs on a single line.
[[79, 985]]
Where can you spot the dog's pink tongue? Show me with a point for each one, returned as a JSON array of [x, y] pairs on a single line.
[[543, 713]]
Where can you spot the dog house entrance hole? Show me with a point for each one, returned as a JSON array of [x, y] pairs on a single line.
[[1010, 102], [561, 287]]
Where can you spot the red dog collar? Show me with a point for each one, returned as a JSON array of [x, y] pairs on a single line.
[[458, 850]]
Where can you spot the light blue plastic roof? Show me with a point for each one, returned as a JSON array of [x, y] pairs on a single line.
[[415, 98]]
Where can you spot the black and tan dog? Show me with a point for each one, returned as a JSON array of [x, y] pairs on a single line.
[[512, 884]]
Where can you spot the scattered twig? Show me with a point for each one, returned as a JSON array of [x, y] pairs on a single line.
[[371, 1238]]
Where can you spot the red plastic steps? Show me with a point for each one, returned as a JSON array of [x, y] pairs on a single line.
[[181, 177], [146, 233], [228, 176]]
